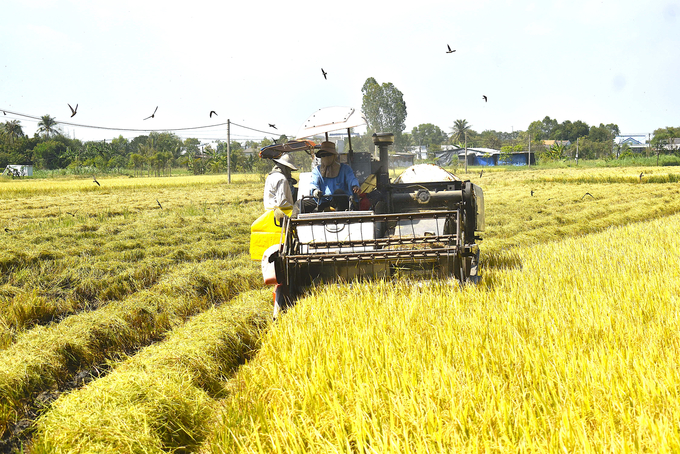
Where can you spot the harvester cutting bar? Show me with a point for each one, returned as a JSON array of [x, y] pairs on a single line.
[[385, 242], [375, 256], [340, 216]]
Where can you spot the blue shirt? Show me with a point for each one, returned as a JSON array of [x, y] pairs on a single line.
[[344, 181]]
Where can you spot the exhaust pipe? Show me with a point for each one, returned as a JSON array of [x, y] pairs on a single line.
[[383, 140]]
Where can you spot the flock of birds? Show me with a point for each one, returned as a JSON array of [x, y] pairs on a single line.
[[153, 115], [212, 112]]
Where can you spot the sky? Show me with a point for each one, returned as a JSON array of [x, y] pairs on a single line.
[[257, 63]]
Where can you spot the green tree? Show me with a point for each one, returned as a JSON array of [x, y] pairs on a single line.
[[192, 146], [148, 150], [603, 133], [592, 149], [459, 130], [548, 125], [117, 162], [428, 134], [160, 162], [570, 131], [11, 130], [167, 142], [48, 154], [137, 162], [136, 143], [665, 141], [384, 108], [556, 151], [491, 139], [48, 126], [535, 132]]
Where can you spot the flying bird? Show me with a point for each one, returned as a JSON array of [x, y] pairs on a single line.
[[95, 180], [450, 50], [72, 214], [587, 193], [641, 175], [272, 126], [7, 230], [73, 111], [159, 204], [324, 74], [152, 115], [4, 112], [532, 193], [484, 98], [480, 173], [212, 112]]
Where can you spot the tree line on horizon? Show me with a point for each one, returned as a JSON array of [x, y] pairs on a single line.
[[152, 154], [382, 104], [385, 109]]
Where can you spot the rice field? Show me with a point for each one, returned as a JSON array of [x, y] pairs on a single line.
[[572, 349], [133, 321]]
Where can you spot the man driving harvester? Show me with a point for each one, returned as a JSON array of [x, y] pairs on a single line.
[[332, 182]]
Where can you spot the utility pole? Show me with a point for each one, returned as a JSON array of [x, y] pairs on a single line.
[[466, 159], [228, 150], [529, 155], [649, 141]]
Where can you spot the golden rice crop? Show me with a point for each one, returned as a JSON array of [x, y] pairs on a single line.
[[46, 357], [56, 186], [90, 273], [571, 349], [162, 399], [71, 251], [497, 367]]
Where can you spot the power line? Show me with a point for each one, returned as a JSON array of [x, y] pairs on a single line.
[[136, 129], [258, 130]]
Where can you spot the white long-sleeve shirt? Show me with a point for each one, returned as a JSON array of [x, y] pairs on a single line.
[[277, 191]]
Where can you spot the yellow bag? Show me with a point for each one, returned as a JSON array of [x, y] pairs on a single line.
[[264, 233]]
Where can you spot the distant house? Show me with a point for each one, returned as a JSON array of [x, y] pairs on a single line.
[[419, 151], [18, 171], [519, 158], [479, 156], [673, 145], [636, 142], [401, 160], [250, 151], [550, 143], [492, 157]]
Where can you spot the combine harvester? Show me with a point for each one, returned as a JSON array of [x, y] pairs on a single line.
[[424, 222]]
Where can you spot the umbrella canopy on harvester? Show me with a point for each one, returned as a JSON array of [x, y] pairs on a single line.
[[275, 151], [331, 119]]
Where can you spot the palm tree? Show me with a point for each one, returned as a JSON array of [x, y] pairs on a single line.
[[12, 130], [47, 125], [460, 127]]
